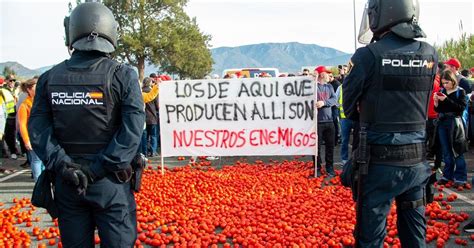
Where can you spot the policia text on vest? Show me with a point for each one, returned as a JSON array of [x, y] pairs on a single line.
[[77, 98]]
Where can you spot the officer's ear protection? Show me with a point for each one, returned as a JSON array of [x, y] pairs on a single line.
[[66, 31]]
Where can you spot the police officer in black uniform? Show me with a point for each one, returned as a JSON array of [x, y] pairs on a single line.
[[387, 91], [85, 124]]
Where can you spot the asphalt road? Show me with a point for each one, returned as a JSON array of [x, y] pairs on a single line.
[[19, 184]]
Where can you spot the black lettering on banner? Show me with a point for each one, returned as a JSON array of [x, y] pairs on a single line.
[[179, 112], [209, 116], [274, 110], [273, 113], [256, 89], [189, 113], [198, 112], [243, 89], [292, 107], [169, 109], [235, 110], [288, 89], [298, 88], [307, 87], [226, 112], [302, 111], [255, 111], [222, 89], [198, 89], [176, 90], [186, 90], [270, 90], [217, 111], [265, 116], [212, 90], [242, 111]]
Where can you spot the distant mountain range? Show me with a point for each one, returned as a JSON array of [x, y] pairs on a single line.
[[23, 71], [287, 57]]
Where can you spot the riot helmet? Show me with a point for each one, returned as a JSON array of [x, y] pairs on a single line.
[[398, 16], [91, 27]]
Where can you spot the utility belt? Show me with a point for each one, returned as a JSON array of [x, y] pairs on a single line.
[[398, 155], [122, 176]]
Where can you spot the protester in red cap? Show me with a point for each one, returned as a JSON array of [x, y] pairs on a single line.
[[454, 65], [326, 98], [321, 69]]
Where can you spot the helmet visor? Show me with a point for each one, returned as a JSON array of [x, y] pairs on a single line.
[[365, 34]]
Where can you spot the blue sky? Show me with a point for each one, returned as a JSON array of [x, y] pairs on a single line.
[[31, 31]]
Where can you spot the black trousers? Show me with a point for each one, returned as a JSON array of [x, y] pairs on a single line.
[[326, 132], [108, 205], [337, 126], [10, 135], [433, 146]]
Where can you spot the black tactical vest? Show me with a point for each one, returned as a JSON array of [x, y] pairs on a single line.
[[402, 82], [85, 113]]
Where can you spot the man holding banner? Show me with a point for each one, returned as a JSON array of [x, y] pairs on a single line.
[[326, 98]]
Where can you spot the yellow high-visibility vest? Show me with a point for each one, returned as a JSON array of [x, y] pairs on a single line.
[[9, 100], [341, 109]]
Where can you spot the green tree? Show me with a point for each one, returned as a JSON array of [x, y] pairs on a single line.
[[186, 51], [160, 32], [7, 70], [462, 49]]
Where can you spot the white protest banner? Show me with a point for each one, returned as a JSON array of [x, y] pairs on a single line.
[[238, 117]]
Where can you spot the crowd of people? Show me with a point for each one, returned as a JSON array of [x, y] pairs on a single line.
[[16, 99], [450, 124], [452, 83]]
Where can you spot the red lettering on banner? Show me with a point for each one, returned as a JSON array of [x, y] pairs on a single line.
[[253, 138], [237, 139], [198, 138], [225, 137], [285, 137], [177, 137], [314, 138], [208, 136], [271, 137], [284, 134], [240, 136]]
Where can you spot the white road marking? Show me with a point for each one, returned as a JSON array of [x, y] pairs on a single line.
[[459, 196], [13, 175]]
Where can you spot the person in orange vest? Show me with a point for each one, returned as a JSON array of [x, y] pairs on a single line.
[[24, 110]]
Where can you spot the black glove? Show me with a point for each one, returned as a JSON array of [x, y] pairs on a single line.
[[77, 175]]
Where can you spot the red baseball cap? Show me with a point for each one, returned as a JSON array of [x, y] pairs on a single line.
[[321, 69], [165, 77], [453, 62], [472, 70], [1, 80]]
